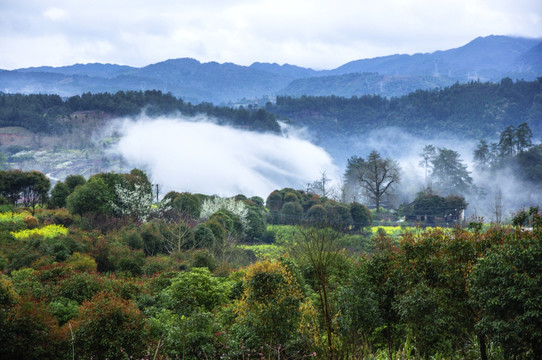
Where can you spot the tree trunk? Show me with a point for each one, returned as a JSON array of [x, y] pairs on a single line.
[[327, 316], [388, 337], [483, 347]]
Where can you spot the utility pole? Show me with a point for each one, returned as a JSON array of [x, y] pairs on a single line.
[[157, 193]]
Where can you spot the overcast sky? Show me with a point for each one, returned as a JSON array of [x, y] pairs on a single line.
[[320, 34]]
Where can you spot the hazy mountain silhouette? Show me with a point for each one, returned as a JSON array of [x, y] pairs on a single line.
[[485, 59]]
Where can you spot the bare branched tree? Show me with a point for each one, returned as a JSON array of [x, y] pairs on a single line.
[[177, 232], [496, 206], [321, 186], [378, 176]]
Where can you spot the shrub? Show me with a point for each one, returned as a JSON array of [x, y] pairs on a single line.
[[82, 262], [30, 331], [291, 213], [156, 264], [317, 214], [203, 237], [64, 309], [255, 224], [30, 221], [195, 290], [108, 327], [269, 309], [10, 221], [81, 287], [204, 259], [195, 337], [152, 239]]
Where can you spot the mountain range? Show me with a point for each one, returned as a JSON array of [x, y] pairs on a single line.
[[485, 59]]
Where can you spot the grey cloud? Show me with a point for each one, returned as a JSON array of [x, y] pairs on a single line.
[[316, 33]]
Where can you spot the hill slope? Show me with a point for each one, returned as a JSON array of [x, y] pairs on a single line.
[[486, 59]]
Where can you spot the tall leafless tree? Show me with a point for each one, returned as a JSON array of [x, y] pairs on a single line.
[[496, 206], [378, 176]]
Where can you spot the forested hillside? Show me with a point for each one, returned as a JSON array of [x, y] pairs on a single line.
[[50, 114], [101, 270], [473, 110], [364, 83]]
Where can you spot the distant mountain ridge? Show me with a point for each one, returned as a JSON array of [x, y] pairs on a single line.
[[483, 55], [485, 58]]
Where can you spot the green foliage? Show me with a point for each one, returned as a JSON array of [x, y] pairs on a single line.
[[64, 309], [357, 304], [515, 149], [265, 251], [148, 237], [203, 258], [59, 194], [80, 287], [157, 264], [450, 175], [454, 109], [529, 162], [393, 292], [128, 261], [338, 216], [427, 204], [291, 213], [29, 331], [376, 177], [81, 262], [31, 188], [47, 113], [285, 234], [185, 203], [194, 337], [317, 214], [361, 216], [203, 237], [108, 327], [73, 181], [256, 225], [94, 197], [195, 290], [11, 221], [289, 206], [236, 210], [269, 309], [506, 286]]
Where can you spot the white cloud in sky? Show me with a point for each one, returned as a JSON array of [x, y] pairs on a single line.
[[55, 14], [315, 33]]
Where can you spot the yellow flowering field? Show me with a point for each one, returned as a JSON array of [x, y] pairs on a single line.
[[47, 232], [13, 217]]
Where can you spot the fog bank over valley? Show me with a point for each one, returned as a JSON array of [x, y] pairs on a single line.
[[196, 155]]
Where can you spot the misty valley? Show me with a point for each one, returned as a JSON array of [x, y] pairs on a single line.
[[135, 224], [484, 150]]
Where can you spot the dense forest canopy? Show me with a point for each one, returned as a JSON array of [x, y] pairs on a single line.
[[117, 274], [47, 114], [473, 110]]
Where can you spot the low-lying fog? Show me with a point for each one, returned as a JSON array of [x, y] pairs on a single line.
[[199, 156], [196, 155]]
